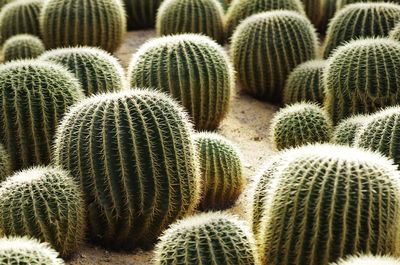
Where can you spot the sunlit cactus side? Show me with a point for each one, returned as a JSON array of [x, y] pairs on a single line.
[[44, 203], [141, 13], [5, 166], [328, 202], [97, 70], [135, 159], [191, 16], [320, 12], [367, 86], [20, 17], [5, 2], [262, 68], [221, 169], [99, 23], [346, 131], [24, 250], [22, 46], [224, 4], [360, 21], [368, 260], [342, 3], [208, 238]]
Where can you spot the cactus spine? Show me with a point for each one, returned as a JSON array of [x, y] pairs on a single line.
[[346, 131], [141, 13], [99, 23], [22, 46], [341, 3], [5, 166], [134, 157], [210, 238], [262, 68], [368, 260], [320, 12], [193, 69]]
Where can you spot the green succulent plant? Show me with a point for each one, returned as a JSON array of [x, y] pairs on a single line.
[[5, 166], [320, 12], [22, 46], [345, 132], [141, 13], [341, 3], [368, 260]]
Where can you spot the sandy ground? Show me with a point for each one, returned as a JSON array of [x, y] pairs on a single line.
[[247, 125]]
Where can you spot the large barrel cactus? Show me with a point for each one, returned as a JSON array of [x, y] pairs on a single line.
[[99, 23], [328, 202], [262, 67], [368, 260], [44, 203], [193, 69], [141, 13], [360, 21], [136, 162], [320, 12], [210, 238], [346, 131], [362, 77], [22, 46], [191, 16], [341, 3], [5, 166], [97, 70], [35, 96]]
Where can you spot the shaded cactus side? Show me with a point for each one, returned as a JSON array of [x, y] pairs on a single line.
[[22, 46], [346, 131], [141, 13], [320, 12], [5, 165]]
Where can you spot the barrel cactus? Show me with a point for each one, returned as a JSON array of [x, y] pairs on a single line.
[[328, 202], [22, 46], [221, 169], [300, 124], [349, 90], [360, 21], [262, 67], [193, 69], [99, 23], [368, 260], [24, 250], [208, 238], [320, 12], [305, 83], [45, 203], [35, 96], [135, 159], [191, 16], [341, 3], [5, 166], [141, 13], [19, 17], [239, 10], [345, 132], [96, 70]]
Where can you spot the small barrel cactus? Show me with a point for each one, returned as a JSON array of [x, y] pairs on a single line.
[[29, 251], [20, 17], [221, 169], [22, 46], [141, 13], [99, 23], [44, 203], [341, 3], [345, 132], [328, 202], [349, 90], [262, 67], [320, 12], [305, 83], [360, 21], [97, 70], [135, 159], [208, 238], [368, 260], [191, 16], [193, 69], [5, 166], [239, 10], [300, 124]]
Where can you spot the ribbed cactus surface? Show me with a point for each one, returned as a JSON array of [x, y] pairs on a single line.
[[342, 3], [24, 250], [99, 23], [35, 96], [141, 13], [43, 203], [22, 46], [320, 12], [97, 70], [5, 166], [193, 69], [345, 132], [262, 67], [328, 202], [362, 77], [191, 16], [368, 260], [360, 21], [136, 162], [210, 238], [395, 33]]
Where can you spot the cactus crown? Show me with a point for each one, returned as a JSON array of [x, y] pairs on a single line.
[[368, 260], [342, 3], [345, 132], [22, 46]]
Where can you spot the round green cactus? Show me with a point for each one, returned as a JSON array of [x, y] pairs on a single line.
[[305, 83], [368, 260], [328, 202], [262, 67], [341, 3], [5, 166], [141, 13], [193, 69], [239, 10], [136, 162], [23, 250], [44, 203], [345, 132], [22, 46], [19, 17], [360, 21], [35, 96], [300, 124], [191, 16], [320, 12], [97, 70], [221, 168], [208, 238], [99, 23], [361, 77]]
